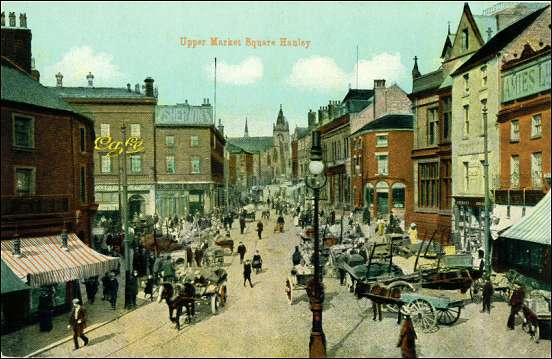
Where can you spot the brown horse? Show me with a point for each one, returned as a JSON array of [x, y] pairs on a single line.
[[175, 301], [160, 244], [383, 296]]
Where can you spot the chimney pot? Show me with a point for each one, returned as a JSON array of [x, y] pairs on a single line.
[[12, 19], [23, 20], [149, 87], [128, 87], [90, 79], [3, 19], [137, 88], [59, 79]]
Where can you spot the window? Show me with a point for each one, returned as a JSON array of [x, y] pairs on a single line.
[[536, 126], [135, 164], [428, 185], [432, 126], [381, 159], [398, 195], [446, 184], [82, 139], [466, 82], [83, 184], [194, 141], [105, 130], [134, 130], [536, 169], [483, 105], [381, 140], [195, 165], [466, 120], [514, 130], [106, 164], [169, 140], [465, 39], [466, 176], [483, 76], [24, 181], [447, 116], [171, 165], [23, 132], [514, 171]]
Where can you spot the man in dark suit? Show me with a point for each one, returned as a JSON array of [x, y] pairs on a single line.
[[516, 304], [247, 273], [77, 322]]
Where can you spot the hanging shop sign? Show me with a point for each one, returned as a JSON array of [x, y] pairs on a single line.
[[115, 148]]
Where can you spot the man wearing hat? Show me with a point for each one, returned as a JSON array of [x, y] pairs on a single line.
[[113, 289], [77, 322]]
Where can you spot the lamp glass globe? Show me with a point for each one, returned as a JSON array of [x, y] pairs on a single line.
[[316, 167]]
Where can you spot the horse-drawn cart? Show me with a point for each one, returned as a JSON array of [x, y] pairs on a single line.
[[298, 280]]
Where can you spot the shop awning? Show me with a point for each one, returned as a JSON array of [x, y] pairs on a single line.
[[534, 227], [45, 262], [10, 282]]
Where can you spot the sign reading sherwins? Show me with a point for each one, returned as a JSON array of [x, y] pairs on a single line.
[[116, 148]]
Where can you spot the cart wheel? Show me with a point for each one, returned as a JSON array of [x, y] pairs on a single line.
[[215, 303], [223, 295], [289, 291], [363, 304], [423, 315], [448, 316], [404, 287]]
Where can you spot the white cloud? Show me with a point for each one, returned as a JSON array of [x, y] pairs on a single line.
[[78, 62], [247, 72], [322, 73]]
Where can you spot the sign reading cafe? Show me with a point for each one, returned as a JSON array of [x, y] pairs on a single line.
[[116, 148], [526, 80]]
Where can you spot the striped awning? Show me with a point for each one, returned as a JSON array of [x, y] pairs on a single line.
[[43, 261], [534, 227]]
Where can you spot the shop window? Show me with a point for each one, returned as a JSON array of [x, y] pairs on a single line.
[[398, 193]]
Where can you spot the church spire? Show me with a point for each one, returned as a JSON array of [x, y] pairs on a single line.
[[246, 133], [415, 72]]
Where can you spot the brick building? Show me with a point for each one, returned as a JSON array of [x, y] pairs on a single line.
[[240, 173], [190, 160], [524, 125], [382, 171], [111, 108]]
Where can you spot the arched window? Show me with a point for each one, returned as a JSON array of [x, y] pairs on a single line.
[[368, 194], [398, 193]]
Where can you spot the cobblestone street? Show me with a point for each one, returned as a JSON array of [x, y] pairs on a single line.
[[259, 322]]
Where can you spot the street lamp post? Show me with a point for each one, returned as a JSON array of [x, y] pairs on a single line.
[[315, 180], [124, 219], [487, 237]]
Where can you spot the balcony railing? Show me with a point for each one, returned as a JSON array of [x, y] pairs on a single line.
[[35, 205]]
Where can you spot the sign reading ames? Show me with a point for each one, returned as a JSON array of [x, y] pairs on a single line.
[[526, 80]]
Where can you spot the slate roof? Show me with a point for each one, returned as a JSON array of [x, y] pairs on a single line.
[[483, 23], [534, 227], [389, 122], [358, 94], [499, 41], [253, 144], [232, 148], [183, 115], [98, 93], [21, 88], [428, 81]]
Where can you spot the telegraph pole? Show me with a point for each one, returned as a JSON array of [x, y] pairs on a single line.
[[487, 236], [124, 212]]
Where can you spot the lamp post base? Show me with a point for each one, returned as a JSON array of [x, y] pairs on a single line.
[[317, 345]]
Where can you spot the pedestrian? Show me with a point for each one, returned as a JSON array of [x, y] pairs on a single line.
[[488, 291], [151, 263], [332, 217], [281, 223], [91, 285], [247, 273], [260, 227], [296, 257], [257, 262], [132, 289], [77, 322], [189, 256], [198, 255], [241, 251], [148, 289], [407, 339], [45, 309], [242, 223], [168, 269], [105, 286], [340, 260], [113, 290], [516, 304]]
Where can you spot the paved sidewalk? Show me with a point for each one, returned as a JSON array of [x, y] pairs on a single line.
[[30, 339]]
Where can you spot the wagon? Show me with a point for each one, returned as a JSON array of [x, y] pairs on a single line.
[[214, 293], [226, 244], [298, 280], [214, 256]]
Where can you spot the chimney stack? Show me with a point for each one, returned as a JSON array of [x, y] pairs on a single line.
[[137, 88], [23, 20], [221, 127], [59, 80], [16, 41], [128, 87], [16, 246], [379, 84], [12, 19], [149, 86], [90, 79], [3, 19]]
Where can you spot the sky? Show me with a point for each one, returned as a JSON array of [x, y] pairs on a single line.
[[125, 42]]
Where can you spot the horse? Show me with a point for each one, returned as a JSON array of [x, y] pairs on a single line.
[[383, 295], [174, 301]]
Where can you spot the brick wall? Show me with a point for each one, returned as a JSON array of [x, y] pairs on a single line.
[[16, 46]]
